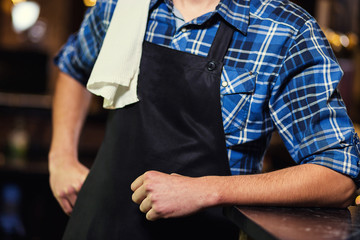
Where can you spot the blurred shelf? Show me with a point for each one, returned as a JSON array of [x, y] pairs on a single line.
[[28, 168], [25, 100]]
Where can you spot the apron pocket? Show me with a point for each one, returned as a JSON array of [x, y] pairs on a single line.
[[236, 91]]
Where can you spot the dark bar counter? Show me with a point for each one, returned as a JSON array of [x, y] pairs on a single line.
[[269, 223]]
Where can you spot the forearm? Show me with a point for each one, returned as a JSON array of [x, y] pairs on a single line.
[[70, 105], [303, 185], [67, 174]]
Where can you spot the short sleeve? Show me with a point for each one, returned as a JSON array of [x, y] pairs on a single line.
[[307, 109], [77, 57]]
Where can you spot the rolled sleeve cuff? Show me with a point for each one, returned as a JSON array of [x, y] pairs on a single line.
[[344, 160], [68, 62]]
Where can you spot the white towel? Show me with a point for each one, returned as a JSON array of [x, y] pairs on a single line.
[[116, 70]]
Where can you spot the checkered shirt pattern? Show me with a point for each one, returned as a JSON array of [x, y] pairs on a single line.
[[279, 74]]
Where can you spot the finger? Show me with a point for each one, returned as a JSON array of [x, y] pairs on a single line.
[[137, 183], [139, 195], [72, 196], [66, 206], [146, 205], [151, 215]]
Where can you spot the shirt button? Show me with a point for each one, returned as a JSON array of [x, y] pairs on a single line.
[[224, 84], [184, 29], [211, 65]]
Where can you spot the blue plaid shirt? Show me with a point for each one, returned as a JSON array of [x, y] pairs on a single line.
[[279, 74]]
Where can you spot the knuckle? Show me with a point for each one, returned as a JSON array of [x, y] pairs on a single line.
[[61, 194], [151, 198], [70, 191], [148, 186], [150, 174], [158, 209]]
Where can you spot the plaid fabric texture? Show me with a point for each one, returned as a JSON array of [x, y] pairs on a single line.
[[279, 74]]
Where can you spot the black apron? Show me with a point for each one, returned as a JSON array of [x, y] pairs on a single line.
[[176, 127]]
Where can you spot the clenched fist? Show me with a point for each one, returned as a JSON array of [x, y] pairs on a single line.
[[163, 195]]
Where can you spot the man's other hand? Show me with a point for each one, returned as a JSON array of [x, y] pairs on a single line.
[[66, 179]]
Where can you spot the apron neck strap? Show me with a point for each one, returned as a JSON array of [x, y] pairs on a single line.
[[221, 42]]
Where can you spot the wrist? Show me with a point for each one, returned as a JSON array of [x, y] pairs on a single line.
[[213, 193], [58, 157]]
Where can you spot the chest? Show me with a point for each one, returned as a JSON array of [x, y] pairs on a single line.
[[251, 63], [259, 51]]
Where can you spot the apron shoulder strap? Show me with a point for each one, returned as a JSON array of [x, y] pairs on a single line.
[[221, 42]]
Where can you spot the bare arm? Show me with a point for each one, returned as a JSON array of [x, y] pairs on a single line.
[[162, 196], [70, 105], [302, 185]]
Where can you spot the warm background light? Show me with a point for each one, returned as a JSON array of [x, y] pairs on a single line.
[[17, 1], [24, 15], [341, 41], [90, 3]]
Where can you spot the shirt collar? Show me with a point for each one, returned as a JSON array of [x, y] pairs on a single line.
[[235, 12]]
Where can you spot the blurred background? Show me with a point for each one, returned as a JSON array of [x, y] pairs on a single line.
[[31, 33]]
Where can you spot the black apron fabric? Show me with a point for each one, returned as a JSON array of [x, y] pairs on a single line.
[[176, 127]]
